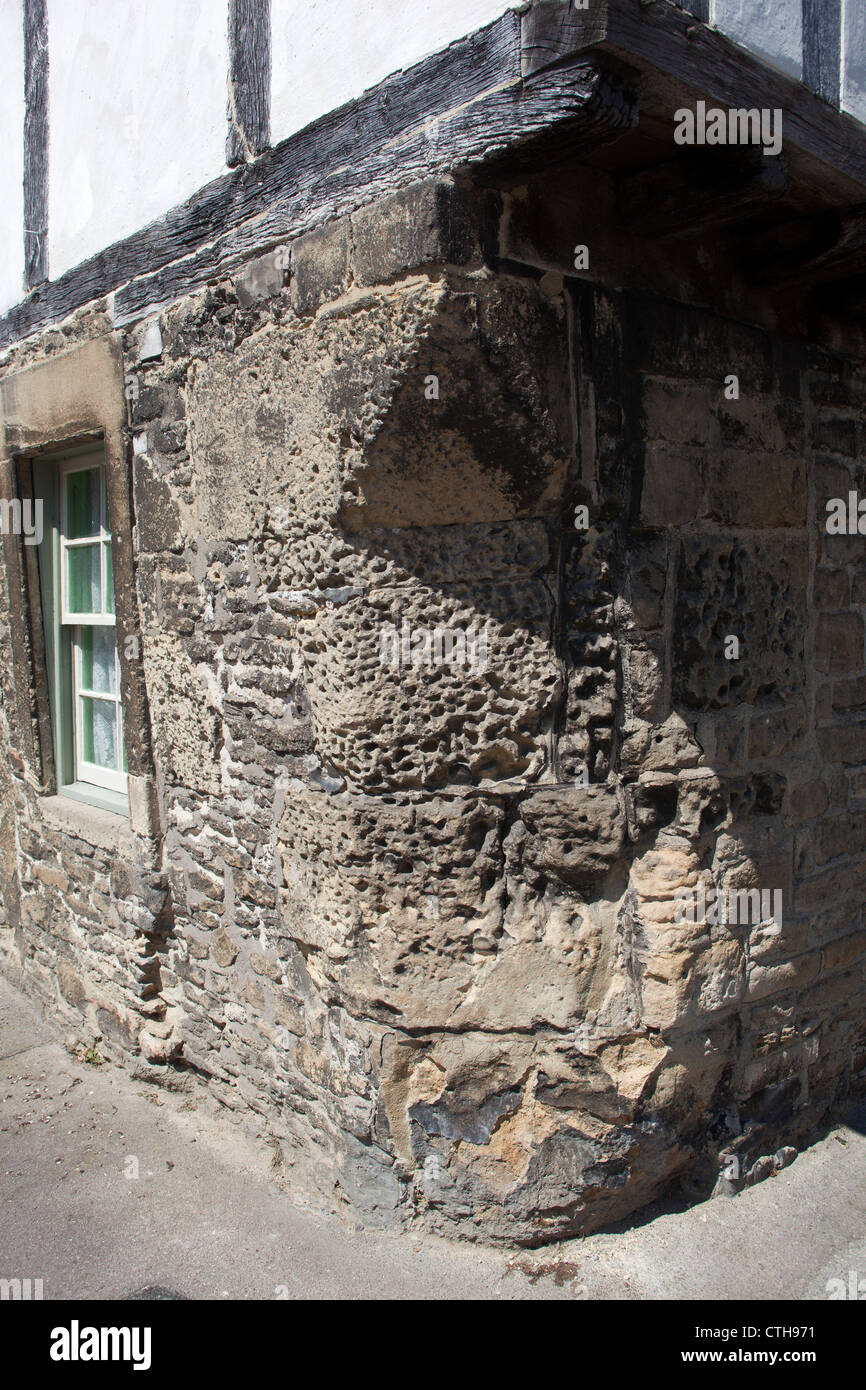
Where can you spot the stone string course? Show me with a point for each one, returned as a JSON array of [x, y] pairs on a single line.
[[421, 921]]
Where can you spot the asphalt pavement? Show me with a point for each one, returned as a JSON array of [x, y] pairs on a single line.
[[110, 1189]]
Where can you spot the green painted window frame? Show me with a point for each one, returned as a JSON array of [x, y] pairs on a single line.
[[62, 633]]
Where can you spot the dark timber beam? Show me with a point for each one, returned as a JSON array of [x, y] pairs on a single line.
[[664, 38], [35, 142], [811, 250], [384, 138], [701, 190], [846, 300], [528, 92], [451, 113], [699, 8], [822, 47], [249, 100]]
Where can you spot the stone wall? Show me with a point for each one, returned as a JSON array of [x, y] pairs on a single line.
[[424, 920]]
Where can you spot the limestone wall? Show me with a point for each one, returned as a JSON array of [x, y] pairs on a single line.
[[425, 919]]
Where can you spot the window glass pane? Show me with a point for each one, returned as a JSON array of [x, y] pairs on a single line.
[[109, 581], [99, 732], [98, 667], [82, 504], [83, 580]]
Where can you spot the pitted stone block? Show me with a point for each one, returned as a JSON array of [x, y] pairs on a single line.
[[719, 579]]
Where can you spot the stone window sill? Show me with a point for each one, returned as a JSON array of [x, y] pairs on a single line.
[[93, 824], [101, 797]]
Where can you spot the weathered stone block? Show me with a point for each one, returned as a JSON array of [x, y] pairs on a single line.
[[762, 423], [678, 412], [673, 487], [837, 433], [320, 266], [647, 580], [386, 675], [756, 491], [839, 644], [431, 222], [786, 977], [286, 425], [575, 833], [849, 694], [717, 578], [777, 731], [223, 949], [831, 590], [261, 278], [159, 525], [186, 723], [843, 743], [71, 987]]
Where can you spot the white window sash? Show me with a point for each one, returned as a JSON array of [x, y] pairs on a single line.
[[69, 616], [114, 778]]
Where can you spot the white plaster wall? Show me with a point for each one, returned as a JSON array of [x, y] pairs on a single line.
[[12, 162], [325, 52], [854, 58], [771, 29], [137, 99]]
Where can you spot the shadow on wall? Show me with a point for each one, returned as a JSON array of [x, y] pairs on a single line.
[[557, 872]]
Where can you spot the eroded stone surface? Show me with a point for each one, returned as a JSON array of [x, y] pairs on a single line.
[[423, 917]]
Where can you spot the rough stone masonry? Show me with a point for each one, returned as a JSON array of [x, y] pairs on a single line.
[[419, 922]]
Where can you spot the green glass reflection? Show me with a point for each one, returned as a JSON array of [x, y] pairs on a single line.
[[82, 503], [109, 581], [98, 668], [99, 732], [83, 589]]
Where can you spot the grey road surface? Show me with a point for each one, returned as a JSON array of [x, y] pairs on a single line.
[[108, 1189]]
